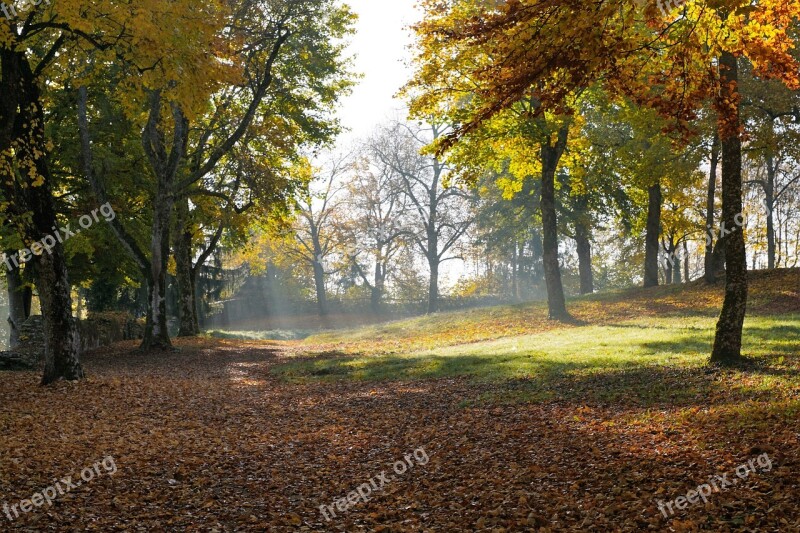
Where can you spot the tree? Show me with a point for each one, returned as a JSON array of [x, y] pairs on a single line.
[[316, 228], [284, 76], [475, 61], [376, 207], [438, 214]]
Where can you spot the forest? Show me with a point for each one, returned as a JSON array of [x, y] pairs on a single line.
[[556, 287]]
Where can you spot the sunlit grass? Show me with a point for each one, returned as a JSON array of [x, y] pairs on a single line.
[[272, 335], [646, 360]]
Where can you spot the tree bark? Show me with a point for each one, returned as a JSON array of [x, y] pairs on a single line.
[[769, 204], [378, 286], [551, 154], [319, 285], [156, 333], [652, 236], [183, 271], [728, 339], [165, 168], [22, 136], [686, 261], [710, 267], [433, 284]]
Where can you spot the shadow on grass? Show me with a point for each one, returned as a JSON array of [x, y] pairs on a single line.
[[648, 376]]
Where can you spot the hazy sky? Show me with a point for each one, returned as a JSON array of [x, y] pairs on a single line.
[[381, 55]]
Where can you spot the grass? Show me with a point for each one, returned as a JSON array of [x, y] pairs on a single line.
[[773, 293], [642, 347], [271, 335]]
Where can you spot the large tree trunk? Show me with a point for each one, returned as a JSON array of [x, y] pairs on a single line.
[[165, 167], [728, 340], [156, 333], [22, 122], [710, 267], [652, 236], [61, 340], [16, 301], [551, 154], [184, 273]]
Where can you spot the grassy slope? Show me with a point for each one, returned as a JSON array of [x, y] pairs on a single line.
[[647, 346], [772, 293]]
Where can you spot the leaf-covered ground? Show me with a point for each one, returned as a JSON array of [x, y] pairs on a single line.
[[255, 436]]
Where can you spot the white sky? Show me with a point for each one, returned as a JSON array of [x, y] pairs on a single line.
[[380, 47], [382, 57]]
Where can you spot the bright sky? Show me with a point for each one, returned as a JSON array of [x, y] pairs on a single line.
[[382, 56], [380, 47]]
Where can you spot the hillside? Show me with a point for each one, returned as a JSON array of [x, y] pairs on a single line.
[[771, 293]]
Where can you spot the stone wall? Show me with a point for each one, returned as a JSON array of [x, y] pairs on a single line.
[[98, 330]]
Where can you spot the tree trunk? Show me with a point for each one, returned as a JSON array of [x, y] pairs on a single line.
[[668, 261], [16, 301], [676, 268], [552, 270], [686, 261], [184, 273], [433, 284], [22, 122], [156, 333], [710, 267], [61, 340], [165, 167], [376, 291], [769, 204], [728, 340], [652, 237], [584, 247], [319, 284]]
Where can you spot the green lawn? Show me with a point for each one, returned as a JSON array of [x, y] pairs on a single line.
[[649, 360]]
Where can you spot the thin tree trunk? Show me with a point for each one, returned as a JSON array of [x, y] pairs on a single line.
[[686, 261], [584, 248], [728, 340], [652, 237], [376, 291], [710, 267], [769, 204]]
